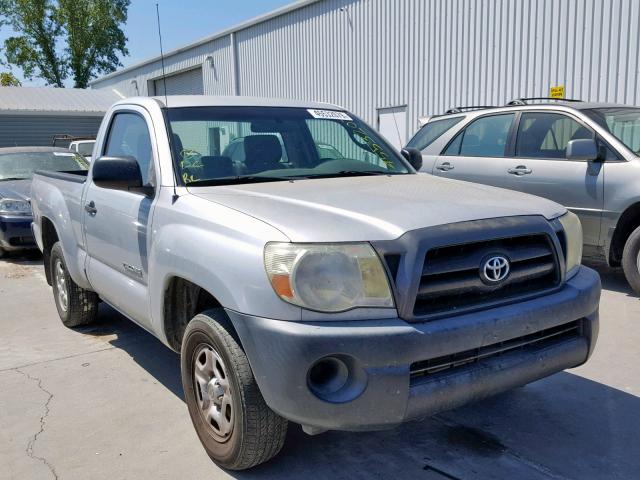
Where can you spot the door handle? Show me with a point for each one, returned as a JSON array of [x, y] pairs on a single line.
[[445, 167], [520, 170], [90, 208]]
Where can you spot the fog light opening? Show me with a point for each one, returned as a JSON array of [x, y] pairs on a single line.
[[327, 376]]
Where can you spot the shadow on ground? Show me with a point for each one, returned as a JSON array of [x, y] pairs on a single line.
[[612, 278]]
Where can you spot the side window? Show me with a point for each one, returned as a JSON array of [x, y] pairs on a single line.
[[546, 135], [129, 136], [431, 132], [484, 137]]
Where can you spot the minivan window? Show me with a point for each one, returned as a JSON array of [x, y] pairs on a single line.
[[622, 122], [431, 132], [546, 135], [484, 137]]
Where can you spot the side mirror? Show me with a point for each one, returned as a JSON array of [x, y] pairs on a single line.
[[583, 149], [413, 156], [119, 173]]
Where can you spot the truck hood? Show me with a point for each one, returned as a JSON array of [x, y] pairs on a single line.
[[16, 189], [372, 208]]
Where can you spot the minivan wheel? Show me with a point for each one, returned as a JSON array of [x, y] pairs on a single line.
[[631, 260], [236, 427], [76, 306]]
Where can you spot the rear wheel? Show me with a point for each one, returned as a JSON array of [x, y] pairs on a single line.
[[76, 306], [236, 427], [631, 260]]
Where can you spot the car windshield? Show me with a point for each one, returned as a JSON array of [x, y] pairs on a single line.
[[431, 132], [622, 122], [85, 148], [21, 165], [221, 145]]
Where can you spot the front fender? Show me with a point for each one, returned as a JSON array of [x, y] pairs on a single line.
[[224, 257]]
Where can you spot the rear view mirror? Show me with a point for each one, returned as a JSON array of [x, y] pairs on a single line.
[[119, 173], [583, 149], [413, 156]]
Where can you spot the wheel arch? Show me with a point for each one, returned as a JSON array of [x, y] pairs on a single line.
[[183, 300], [627, 223], [49, 238]]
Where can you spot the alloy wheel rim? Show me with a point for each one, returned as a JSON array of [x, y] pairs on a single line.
[[213, 392], [61, 285]]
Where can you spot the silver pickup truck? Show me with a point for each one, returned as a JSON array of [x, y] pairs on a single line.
[[314, 278]]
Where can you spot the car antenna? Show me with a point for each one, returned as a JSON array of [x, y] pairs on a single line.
[[166, 101]]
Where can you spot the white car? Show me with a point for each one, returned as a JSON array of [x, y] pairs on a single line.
[[83, 147]]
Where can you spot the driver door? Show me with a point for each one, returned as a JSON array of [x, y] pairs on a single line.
[[117, 223]]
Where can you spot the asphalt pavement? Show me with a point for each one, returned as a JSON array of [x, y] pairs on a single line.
[[105, 402]]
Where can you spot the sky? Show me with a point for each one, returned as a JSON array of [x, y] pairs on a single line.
[[182, 22]]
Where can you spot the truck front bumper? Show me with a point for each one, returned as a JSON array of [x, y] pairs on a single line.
[[397, 371], [15, 233]]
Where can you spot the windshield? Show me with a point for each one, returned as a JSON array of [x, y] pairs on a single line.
[[218, 145], [622, 122], [17, 166], [85, 148], [431, 132]]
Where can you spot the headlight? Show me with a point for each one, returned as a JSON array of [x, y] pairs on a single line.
[[328, 277], [573, 237], [14, 207]]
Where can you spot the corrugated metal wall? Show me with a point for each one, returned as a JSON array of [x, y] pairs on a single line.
[[38, 130], [426, 54]]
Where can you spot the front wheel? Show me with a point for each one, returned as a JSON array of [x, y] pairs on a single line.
[[76, 306], [631, 260], [236, 427]]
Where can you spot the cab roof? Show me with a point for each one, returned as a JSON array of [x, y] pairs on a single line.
[[177, 101]]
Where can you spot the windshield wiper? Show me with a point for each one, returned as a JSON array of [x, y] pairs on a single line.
[[211, 182], [352, 173], [13, 178]]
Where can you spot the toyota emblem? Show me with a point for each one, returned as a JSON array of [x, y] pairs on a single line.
[[494, 269]]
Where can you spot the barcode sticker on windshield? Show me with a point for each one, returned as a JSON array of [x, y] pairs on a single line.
[[329, 114]]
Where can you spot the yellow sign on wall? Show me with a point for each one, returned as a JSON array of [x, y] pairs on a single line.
[[557, 91]]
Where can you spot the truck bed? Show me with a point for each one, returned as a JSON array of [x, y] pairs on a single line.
[[76, 176]]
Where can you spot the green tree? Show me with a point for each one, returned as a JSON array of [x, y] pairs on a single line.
[[8, 79], [60, 39]]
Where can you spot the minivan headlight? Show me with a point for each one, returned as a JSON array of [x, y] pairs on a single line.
[[327, 277], [573, 237], [9, 206]]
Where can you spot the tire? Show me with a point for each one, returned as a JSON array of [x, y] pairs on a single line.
[[81, 306], [247, 434], [630, 260]]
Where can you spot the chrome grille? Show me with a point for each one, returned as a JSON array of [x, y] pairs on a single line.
[[451, 278]]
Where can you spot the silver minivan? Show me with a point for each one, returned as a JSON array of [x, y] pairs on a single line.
[[580, 154]]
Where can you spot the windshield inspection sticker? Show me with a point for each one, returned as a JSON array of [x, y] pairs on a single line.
[[329, 114]]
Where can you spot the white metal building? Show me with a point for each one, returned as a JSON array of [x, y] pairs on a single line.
[[32, 116], [392, 61]]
